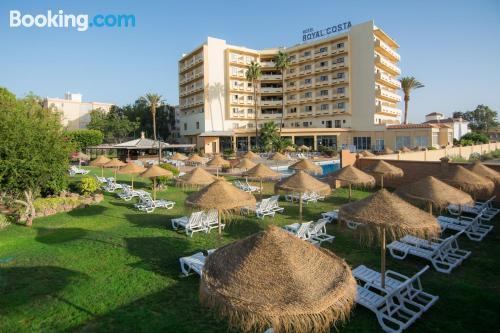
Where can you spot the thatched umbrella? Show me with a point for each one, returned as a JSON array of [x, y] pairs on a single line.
[[132, 169], [245, 163], [197, 177], [487, 172], [301, 182], [290, 149], [385, 213], [469, 182], [274, 279], [385, 169], [387, 151], [218, 162], [352, 176], [114, 163], [307, 165], [366, 153], [156, 171], [196, 159], [251, 155], [261, 171], [222, 196], [278, 157], [79, 156], [406, 150], [178, 157], [303, 148], [99, 162]]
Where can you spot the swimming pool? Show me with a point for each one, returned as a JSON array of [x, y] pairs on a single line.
[[327, 166]]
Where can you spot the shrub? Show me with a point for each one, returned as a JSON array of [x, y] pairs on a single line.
[[88, 186], [431, 148], [163, 180], [3, 222], [457, 158], [474, 157], [84, 138], [42, 204], [475, 138], [329, 151], [229, 152]]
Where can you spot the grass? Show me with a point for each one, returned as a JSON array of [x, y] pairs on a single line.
[[110, 268]]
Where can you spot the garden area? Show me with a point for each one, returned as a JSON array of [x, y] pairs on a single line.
[[108, 267]]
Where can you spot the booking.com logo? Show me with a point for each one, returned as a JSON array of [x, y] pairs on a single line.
[[80, 22]]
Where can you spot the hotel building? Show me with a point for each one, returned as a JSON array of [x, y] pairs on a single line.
[[75, 114], [339, 91]]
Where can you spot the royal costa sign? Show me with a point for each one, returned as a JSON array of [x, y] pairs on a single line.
[[310, 33]]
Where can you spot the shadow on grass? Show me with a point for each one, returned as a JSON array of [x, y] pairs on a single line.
[[91, 210], [21, 285], [242, 226], [59, 235], [150, 220]]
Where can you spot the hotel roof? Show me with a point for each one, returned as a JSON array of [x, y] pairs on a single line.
[[424, 125]]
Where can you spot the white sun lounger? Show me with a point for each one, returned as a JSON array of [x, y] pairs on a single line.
[[444, 254], [148, 205], [399, 304], [210, 220], [485, 209], [74, 170], [331, 216], [317, 232], [473, 227], [128, 193], [193, 223], [101, 180], [193, 263], [302, 231]]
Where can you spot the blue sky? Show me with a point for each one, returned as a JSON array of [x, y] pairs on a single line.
[[453, 47]]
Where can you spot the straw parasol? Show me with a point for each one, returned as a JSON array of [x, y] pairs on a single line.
[[197, 177], [245, 163], [273, 279], [251, 155], [218, 162], [131, 169], [261, 171], [301, 182], [387, 151], [156, 171], [79, 156], [307, 165], [114, 163], [278, 157], [196, 159], [178, 157], [222, 196], [384, 212], [482, 170], [352, 176], [100, 161], [406, 150], [303, 148], [385, 169], [366, 153], [290, 149], [469, 182], [430, 192]]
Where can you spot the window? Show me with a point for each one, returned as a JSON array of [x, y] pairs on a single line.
[[292, 57], [235, 97], [323, 93], [250, 111], [421, 141], [291, 70], [338, 124], [435, 139], [292, 110], [291, 84], [291, 97], [362, 142], [341, 90], [402, 141], [197, 125], [340, 45], [307, 67], [307, 53], [324, 107], [323, 64], [323, 49], [308, 94], [249, 98], [185, 126], [234, 70], [379, 144], [340, 60], [305, 124], [323, 78], [340, 75], [249, 84], [341, 105], [307, 81], [308, 108]]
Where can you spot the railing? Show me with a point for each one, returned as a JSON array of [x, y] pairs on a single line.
[[388, 80], [386, 49], [387, 65], [386, 94]]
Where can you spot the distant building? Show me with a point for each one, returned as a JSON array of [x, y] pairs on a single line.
[[174, 124], [75, 113], [460, 127], [494, 134]]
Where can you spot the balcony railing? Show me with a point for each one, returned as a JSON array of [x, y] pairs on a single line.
[[271, 77], [270, 103], [388, 95], [381, 108], [386, 50], [268, 64], [387, 65], [388, 80], [270, 90]]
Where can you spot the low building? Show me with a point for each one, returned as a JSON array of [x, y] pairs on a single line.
[[459, 125], [75, 114]]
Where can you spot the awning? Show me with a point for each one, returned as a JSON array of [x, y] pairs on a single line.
[[216, 134]]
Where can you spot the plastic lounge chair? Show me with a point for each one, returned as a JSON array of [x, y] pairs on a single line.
[[194, 263], [301, 230], [211, 220], [274, 204], [148, 205], [331, 216], [261, 209], [318, 233], [444, 254], [191, 224], [473, 227]]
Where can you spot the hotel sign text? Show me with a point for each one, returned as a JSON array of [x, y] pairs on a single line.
[[310, 33]]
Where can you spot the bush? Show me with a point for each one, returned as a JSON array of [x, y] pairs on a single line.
[[457, 158], [475, 138], [329, 151], [3, 222], [465, 142], [84, 138], [474, 157], [163, 180], [88, 186], [229, 153], [431, 148], [42, 204]]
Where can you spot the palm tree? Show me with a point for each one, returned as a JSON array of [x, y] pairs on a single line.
[[253, 74], [268, 133], [154, 101], [282, 61], [408, 83]]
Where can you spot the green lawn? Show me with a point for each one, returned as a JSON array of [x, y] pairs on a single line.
[[110, 268]]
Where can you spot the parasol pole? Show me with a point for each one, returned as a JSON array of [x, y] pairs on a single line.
[[300, 206], [219, 222], [381, 181], [430, 207], [102, 171], [350, 191], [154, 188], [382, 258]]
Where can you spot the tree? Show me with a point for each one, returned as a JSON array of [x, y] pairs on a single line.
[[154, 101], [408, 83], [268, 134], [474, 138], [280, 143], [34, 151], [481, 119], [113, 124], [253, 75], [282, 61], [84, 138]]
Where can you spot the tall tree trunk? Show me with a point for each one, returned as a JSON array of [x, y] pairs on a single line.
[[283, 98], [407, 99], [153, 114], [255, 115], [30, 213]]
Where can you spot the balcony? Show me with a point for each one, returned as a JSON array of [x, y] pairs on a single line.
[[387, 80], [387, 65], [190, 63], [386, 50], [388, 95], [390, 110], [270, 77], [270, 103], [337, 50], [340, 80], [269, 90], [268, 64]]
